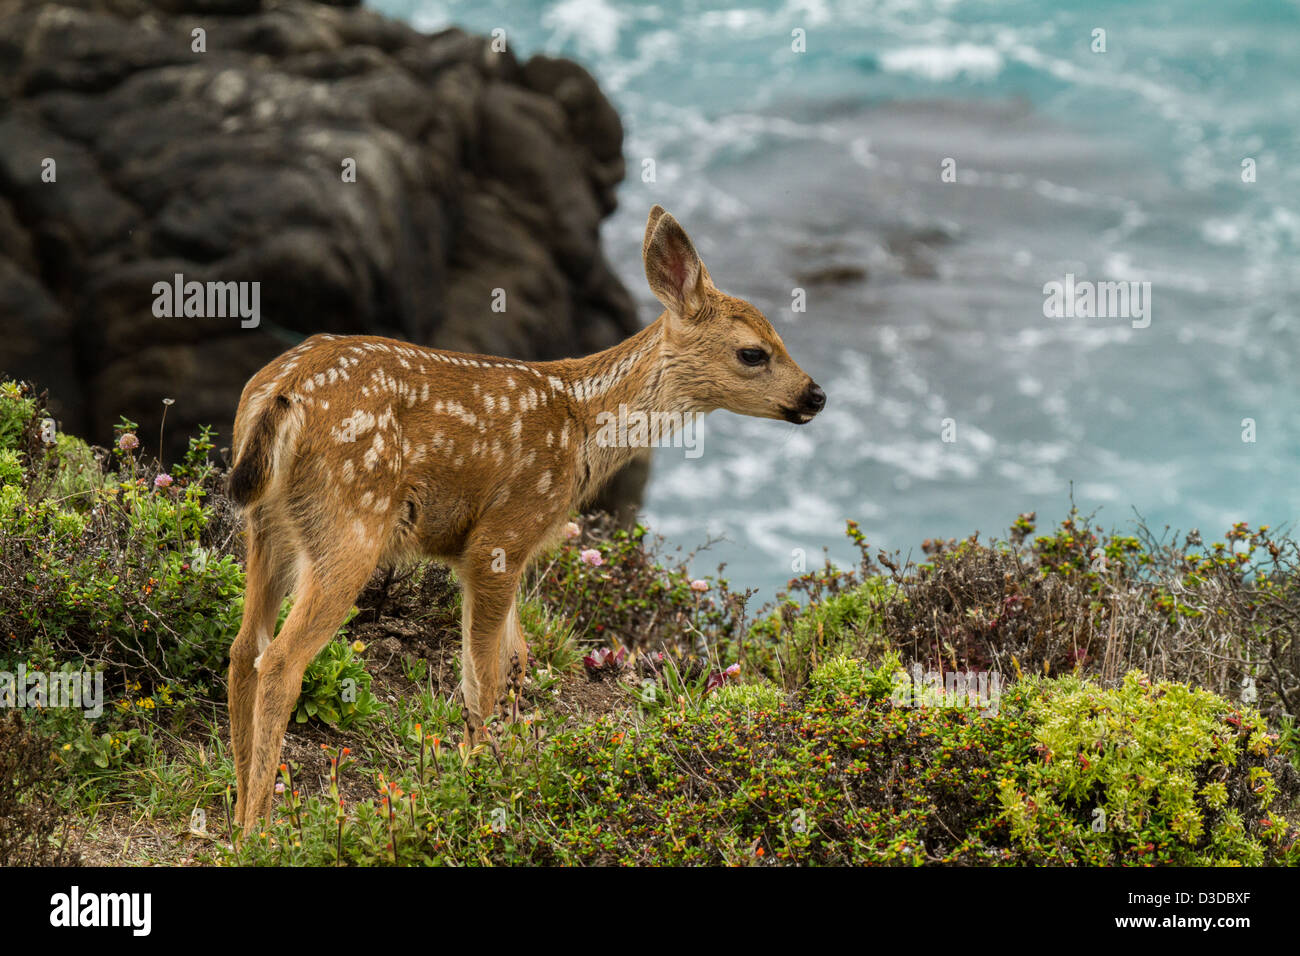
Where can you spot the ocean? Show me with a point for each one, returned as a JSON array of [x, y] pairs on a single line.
[[923, 171]]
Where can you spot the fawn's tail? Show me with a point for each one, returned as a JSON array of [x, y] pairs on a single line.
[[255, 461]]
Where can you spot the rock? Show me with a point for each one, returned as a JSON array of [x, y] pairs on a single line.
[[474, 173], [832, 275]]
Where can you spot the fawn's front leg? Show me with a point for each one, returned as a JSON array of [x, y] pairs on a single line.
[[491, 633]]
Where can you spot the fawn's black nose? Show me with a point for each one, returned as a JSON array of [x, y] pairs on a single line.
[[814, 399]]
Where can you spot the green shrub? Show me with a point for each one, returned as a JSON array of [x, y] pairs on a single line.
[[789, 642], [1075, 600], [849, 675], [834, 774], [16, 410], [336, 688], [108, 750], [11, 468], [105, 564], [32, 827], [634, 597], [745, 698], [1148, 773], [550, 637], [77, 476]]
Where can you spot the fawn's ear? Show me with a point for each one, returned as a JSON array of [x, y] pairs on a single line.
[[656, 211], [672, 266]]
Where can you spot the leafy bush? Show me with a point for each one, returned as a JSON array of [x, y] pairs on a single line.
[[613, 586], [30, 818], [76, 473], [91, 750], [105, 563], [17, 409], [11, 467], [745, 698], [336, 688], [1225, 616], [1149, 773], [834, 774], [790, 641]]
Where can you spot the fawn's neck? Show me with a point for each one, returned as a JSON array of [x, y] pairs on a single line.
[[633, 376]]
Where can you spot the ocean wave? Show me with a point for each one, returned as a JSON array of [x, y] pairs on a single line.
[[940, 64]]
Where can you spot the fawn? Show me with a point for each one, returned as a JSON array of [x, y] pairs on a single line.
[[353, 452]]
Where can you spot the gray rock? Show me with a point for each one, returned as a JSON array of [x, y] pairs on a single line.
[[474, 173]]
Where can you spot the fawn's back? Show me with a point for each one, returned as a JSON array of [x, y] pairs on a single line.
[[375, 441]]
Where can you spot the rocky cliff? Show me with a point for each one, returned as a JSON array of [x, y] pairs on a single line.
[[369, 178]]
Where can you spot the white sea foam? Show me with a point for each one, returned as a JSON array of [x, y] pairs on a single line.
[[592, 25], [940, 64]]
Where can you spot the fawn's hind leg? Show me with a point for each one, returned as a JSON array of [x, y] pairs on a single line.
[[326, 590], [269, 577]]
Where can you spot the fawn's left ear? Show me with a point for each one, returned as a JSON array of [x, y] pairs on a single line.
[[673, 268]]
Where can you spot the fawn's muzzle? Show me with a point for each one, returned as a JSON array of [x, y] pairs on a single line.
[[814, 400], [811, 402]]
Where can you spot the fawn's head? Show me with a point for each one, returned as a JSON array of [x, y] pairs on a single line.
[[722, 352]]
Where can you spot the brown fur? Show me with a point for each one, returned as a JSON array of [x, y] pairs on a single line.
[[357, 451]]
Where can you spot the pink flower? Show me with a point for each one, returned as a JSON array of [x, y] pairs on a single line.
[[603, 659], [571, 530], [718, 678], [699, 584], [128, 441], [591, 556], [279, 787], [163, 481]]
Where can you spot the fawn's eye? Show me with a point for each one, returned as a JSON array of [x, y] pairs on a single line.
[[752, 356]]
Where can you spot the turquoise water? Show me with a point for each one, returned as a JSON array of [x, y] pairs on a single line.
[[1117, 166]]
